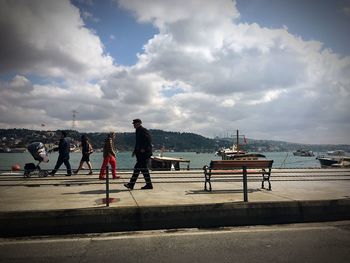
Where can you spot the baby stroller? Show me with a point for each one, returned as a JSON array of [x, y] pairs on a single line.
[[39, 153]]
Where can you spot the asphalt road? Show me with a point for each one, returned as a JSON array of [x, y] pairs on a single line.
[[314, 242]]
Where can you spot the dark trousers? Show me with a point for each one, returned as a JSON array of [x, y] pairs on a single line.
[[60, 161], [141, 167]]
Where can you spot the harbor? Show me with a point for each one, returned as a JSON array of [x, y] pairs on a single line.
[[126, 161]]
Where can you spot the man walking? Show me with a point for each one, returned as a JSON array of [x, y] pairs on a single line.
[[63, 154], [143, 151]]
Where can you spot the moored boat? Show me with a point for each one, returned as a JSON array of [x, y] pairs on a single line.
[[236, 153], [162, 163], [303, 152], [337, 158]]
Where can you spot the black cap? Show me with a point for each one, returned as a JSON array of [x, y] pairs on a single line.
[[136, 121]]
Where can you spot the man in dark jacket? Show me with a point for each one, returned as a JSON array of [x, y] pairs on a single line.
[[63, 154], [143, 151]]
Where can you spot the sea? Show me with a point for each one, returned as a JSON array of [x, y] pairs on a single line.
[[126, 162]]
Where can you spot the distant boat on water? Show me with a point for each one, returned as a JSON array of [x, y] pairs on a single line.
[[303, 152], [235, 153], [13, 150], [337, 158]]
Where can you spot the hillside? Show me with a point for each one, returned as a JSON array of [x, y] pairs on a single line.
[[176, 141]]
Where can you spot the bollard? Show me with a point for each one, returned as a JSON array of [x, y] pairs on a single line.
[[245, 184], [107, 186]]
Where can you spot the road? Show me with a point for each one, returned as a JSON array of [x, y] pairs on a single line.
[[313, 242]]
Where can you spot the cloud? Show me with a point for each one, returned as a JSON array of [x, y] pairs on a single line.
[[162, 12], [19, 84], [88, 16], [346, 10], [241, 75], [49, 39], [204, 72]]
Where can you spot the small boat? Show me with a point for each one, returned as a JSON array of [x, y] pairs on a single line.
[[337, 158], [17, 150], [235, 153], [162, 163], [230, 153], [304, 153]]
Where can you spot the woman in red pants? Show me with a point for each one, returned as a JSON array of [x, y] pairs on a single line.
[[109, 157]]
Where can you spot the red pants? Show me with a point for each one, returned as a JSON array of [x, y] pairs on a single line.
[[112, 161]]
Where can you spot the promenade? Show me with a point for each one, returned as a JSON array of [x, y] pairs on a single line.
[[76, 204]]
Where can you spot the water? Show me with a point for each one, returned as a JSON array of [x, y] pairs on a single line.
[[125, 161]]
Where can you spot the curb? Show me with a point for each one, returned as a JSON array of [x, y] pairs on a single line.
[[98, 220]]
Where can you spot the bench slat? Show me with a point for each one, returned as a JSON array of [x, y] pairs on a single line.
[[225, 164]]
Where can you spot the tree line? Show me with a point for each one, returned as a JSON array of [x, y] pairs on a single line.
[[169, 141]]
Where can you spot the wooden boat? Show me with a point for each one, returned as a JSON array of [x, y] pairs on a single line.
[[162, 163]]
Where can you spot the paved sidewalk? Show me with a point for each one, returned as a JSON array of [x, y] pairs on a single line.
[[171, 188], [48, 197]]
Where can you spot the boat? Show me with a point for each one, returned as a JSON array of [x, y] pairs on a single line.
[[17, 150], [303, 152], [231, 152], [337, 158], [162, 163], [235, 153]]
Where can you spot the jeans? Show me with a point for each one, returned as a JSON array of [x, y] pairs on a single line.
[[60, 161]]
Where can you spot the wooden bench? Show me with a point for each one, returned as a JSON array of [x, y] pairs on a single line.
[[235, 167]]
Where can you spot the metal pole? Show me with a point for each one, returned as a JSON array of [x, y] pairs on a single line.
[[237, 141], [245, 184], [107, 186]]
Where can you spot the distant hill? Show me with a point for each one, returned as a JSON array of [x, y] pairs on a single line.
[[176, 141]]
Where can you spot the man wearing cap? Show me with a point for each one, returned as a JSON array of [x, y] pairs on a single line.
[[142, 151]]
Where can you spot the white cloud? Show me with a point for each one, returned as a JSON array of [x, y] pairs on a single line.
[[48, 38], [249, 77], [204, 72], [20, 84]]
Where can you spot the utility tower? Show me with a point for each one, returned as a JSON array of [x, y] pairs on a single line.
[[74, 114]]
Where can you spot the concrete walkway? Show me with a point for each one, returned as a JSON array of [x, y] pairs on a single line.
[[33, 206]]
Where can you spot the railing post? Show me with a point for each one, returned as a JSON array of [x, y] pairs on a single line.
[[107, 186], [245, 184]]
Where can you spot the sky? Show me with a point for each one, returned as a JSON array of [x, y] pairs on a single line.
[[273, 69]]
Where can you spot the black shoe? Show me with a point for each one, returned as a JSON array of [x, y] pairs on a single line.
[[129, 186], [147, 186], [68, 174]]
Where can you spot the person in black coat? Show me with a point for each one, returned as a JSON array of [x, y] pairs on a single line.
[[143, 152], [63, 154]]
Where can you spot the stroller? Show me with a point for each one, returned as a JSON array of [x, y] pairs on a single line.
[[39, 153]]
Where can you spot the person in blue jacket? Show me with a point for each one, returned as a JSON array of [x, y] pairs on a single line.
[[63, 154]]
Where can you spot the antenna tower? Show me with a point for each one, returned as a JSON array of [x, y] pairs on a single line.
[[74, 114]]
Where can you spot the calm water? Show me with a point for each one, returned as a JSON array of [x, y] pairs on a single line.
[[125, 161]]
